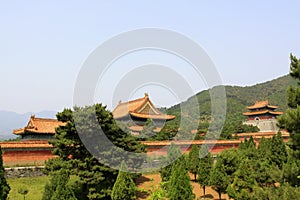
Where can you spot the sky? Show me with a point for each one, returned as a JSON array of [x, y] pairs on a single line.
[[43, 45]]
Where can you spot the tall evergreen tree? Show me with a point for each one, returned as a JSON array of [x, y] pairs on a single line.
[[124, 187], [291, 120], [180, 187], [96, 179], [219, 179], [58, 189], [263, 148], [193, 161], [291, 171], [230, 159], [4, 187], [244, 182], [279, 153], [205, 168], [172, 155]]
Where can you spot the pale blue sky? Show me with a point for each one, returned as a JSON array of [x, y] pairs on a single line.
[[44, 43]]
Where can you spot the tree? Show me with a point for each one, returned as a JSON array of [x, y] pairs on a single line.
[[263, 148], [180, 186], [4, 187], [291, 120], [248, 149], [124, 187], [244, 182], [58, 188], [205, 168], [172, 155], [230, 159], [278, 155], [148, 130], [193, 161], [291, 170], [168, 132], [63, 192], [96, 178], [23, 191], [284, 192], [219, 179]]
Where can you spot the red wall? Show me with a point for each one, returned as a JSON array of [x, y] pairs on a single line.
[[156, 151], [26, 157]]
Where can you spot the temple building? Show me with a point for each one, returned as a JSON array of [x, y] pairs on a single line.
[[38, 129], [262, 115], [138, 111]]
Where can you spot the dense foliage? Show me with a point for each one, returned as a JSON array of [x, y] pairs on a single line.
[[193, 161], [172, 157], [238, 98], [4, 187], [180, 186], [291, 120], [58, 187], [96, 180], [204, 167], [124, 187]]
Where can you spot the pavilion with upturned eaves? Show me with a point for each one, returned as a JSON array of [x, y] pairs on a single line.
[[262, 115], [138, 111], [38, 129]]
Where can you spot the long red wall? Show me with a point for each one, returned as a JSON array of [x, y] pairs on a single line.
[[26, 157], [37, 152]]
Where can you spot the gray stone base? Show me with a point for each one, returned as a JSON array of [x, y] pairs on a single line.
[[18, 172]]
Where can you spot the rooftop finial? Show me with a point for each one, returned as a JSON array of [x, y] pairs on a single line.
[[146, 94], [120, 102]]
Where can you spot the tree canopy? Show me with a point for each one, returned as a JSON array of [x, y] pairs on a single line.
[[180, 186], [124, 187], [96, 179]]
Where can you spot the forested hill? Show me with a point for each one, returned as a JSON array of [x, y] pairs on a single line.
[[240, 97]]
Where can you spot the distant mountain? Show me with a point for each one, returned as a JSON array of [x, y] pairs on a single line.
[[238, 98], [11, 120]]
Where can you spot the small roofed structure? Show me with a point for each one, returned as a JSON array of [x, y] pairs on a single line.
[[262, 115], [262, 110], [38, 129], [139, 111]]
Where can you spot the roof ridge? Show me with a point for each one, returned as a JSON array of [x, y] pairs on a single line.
[[44, 119], [135, 100]]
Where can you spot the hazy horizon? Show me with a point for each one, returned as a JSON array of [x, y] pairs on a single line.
[[152, 98]]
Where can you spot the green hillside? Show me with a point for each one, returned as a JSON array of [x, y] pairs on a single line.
[[237, 100]]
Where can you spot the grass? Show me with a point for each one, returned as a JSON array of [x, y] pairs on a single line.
[[35, 186]]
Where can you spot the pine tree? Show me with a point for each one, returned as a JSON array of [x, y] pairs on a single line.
[[279, 154], [180, 187], [291, 120], [230, 159], [172, 155], [63, 192], [244, 182], [193, 161], [124, 187], [4, 187], [219, 179], [264, 148], [96, 178], [205, 169], [58, 188]]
